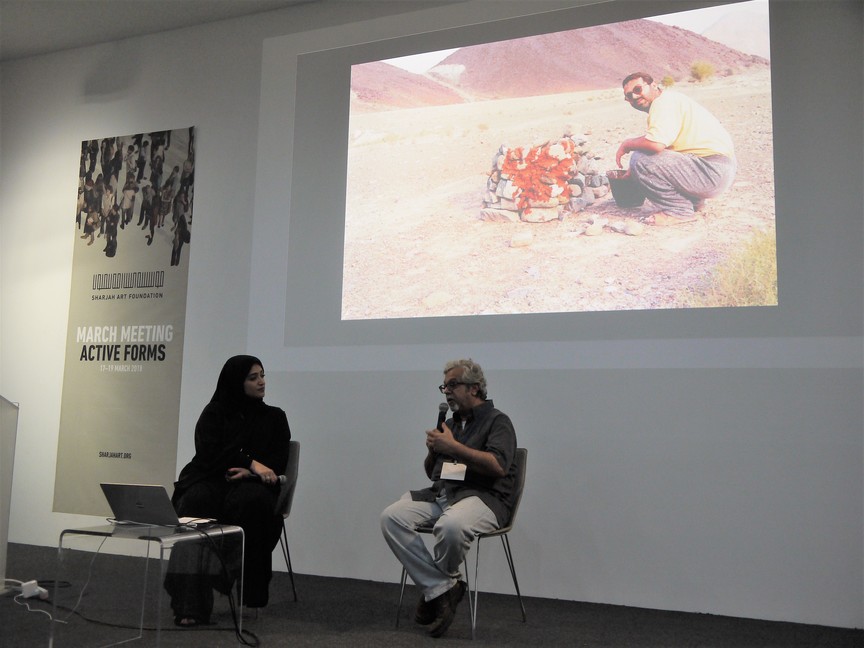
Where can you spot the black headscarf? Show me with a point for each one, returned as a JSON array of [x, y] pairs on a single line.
[[229, 388]]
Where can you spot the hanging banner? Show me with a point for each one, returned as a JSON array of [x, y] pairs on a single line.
[[124, 346]]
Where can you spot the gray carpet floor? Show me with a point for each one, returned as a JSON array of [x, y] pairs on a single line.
[[346, 612]]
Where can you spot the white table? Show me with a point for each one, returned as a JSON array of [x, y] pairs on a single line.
[[222, 538]]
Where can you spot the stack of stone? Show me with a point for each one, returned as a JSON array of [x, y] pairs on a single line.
[[544, 182]]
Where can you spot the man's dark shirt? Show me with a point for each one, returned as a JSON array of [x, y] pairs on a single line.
[[489, 430]]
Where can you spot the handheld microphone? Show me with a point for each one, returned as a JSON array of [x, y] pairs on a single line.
[[279, 478], [442, 415]]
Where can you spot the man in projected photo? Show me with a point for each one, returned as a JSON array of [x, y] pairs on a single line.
[[685, 155], [470, 460]]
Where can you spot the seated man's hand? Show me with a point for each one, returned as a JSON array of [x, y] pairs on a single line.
[[440, 442]]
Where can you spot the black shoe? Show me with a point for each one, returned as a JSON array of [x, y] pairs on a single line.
[[445, 609], [187, 621], [458, 591], [425, 613]]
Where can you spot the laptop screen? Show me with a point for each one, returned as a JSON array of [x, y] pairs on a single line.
[[140, 504]]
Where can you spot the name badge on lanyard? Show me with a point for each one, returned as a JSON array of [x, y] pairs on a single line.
[[453, 471]]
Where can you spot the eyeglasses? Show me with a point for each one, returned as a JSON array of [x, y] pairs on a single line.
[[451, 385], [637, 90]]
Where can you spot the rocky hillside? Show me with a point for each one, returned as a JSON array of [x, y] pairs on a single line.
[[380, 86], [583, 59]]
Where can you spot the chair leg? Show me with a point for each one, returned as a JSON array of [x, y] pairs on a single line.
[[472, 598], [505, 541], [283, 540], [472, 602], [401, 595]]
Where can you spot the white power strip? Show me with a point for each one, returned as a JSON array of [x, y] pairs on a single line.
[[31, 589]]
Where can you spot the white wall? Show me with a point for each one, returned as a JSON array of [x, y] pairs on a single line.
[[712, 474]]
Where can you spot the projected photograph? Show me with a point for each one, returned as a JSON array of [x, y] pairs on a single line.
[[516, 177]]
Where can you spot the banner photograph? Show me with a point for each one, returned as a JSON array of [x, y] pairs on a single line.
[[124, 346]]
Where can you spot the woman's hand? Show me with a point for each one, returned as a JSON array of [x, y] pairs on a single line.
[[266, 474], [236, 474]]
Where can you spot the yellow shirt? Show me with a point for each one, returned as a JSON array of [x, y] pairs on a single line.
[[682, 125]]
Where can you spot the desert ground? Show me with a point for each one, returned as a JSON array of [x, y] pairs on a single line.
[[417, 247]]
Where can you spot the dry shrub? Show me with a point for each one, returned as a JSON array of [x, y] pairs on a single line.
[[701, 71], [748, 278]]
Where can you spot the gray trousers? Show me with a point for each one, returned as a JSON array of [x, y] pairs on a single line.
[[677, 182], [453, 533]]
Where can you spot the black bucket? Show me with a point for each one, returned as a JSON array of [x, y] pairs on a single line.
[[627, 192]]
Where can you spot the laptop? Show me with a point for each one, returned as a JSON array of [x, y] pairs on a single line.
[[140, 504]]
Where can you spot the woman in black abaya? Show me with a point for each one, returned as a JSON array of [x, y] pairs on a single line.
[[241, 447]]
